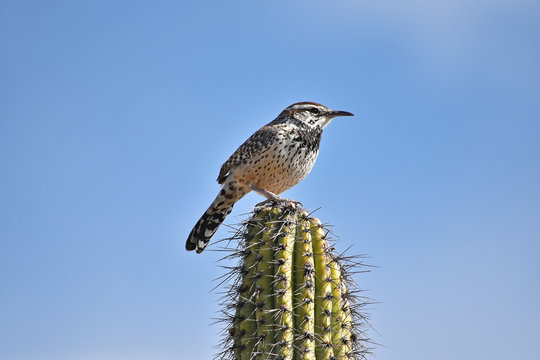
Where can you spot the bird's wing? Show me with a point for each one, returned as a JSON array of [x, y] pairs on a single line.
[[256, 144]]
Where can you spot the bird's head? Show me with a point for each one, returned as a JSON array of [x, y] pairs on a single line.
[[314, 114]]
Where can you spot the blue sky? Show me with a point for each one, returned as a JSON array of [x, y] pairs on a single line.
[[115, 117]]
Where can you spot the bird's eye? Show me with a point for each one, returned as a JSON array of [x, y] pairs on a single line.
[[314, 110]]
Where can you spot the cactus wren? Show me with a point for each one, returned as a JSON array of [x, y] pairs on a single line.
[[275, 158]]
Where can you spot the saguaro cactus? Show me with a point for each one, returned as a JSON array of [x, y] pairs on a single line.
[[291, 297]]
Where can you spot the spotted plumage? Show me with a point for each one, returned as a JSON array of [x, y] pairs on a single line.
[[275, 158]]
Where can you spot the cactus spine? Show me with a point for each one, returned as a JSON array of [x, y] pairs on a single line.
[[291, 298]]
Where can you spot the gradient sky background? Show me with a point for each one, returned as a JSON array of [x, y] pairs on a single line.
[[115, 117]]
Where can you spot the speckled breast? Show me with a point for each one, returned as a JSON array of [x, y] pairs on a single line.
[[281, 166]]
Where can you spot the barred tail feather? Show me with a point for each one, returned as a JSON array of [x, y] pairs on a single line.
[[206, 227], [231, 191]]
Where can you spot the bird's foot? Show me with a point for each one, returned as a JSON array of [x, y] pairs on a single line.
[[279, 201], [272, 198]]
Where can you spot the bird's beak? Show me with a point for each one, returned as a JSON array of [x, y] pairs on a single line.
[[335, 113]]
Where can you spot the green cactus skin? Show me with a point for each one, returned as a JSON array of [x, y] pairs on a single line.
[[291, 300], [284, 290], [323, 291], [303, 293], [245, 325]]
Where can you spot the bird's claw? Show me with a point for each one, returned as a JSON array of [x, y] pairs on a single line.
[[281, 202]]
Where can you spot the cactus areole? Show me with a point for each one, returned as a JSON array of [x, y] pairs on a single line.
[[291, 297]]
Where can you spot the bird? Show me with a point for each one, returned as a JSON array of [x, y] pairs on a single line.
[[274, 159]]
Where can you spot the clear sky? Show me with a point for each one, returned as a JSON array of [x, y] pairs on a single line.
[[115, 117]]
